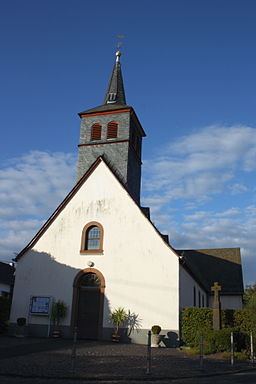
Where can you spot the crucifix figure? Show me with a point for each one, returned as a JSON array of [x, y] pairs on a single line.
[[119, 41], [216, 320]]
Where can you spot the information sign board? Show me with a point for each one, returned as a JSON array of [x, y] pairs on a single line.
[[40, 305]]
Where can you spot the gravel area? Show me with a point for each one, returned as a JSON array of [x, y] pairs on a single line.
[[101, 360]]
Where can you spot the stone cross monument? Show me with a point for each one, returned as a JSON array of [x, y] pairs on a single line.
[[216, 314]]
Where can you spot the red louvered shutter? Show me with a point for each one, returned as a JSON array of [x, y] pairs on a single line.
[[96, 132], [112, 130]]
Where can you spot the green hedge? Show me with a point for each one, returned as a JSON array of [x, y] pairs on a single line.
[[199, 320], [220, 341], [245, 321], [194, 321]]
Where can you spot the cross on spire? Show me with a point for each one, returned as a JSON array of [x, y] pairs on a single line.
[[119, 41], [115, 93]]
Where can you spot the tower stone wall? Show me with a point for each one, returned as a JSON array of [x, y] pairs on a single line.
[[119, 152], [123, 153]]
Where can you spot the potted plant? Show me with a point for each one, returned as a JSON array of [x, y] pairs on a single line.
[[155, 337], [58, 313], [117, 318], [21, 327]]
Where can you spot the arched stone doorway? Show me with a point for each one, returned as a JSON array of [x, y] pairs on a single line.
[[88, 302]]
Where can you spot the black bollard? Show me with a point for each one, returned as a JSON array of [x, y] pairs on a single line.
[[201, 349], [73, 353], [148, 371], [252, 351], [232, 348]]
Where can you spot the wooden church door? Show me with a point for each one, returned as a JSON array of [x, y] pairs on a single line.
[[89, 311]]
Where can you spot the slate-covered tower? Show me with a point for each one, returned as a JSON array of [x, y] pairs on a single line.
[[113, 131]]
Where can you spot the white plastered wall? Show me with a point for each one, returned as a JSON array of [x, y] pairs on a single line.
[[187, 285], [140, 270], [229, 301]]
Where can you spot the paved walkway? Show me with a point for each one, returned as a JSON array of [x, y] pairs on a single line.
[[51, 358]]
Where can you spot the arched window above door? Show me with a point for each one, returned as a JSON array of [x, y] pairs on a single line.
[[92, 238], [90, 280]]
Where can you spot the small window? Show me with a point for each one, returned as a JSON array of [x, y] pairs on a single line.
[[92, 238], [96, 132], [112, 130], [203, 301], [199, 299], [112, 97], [194, 296]]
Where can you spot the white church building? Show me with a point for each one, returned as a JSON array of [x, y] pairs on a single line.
[[99, 249]]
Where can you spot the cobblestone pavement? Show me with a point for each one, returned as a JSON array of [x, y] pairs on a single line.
[[51, 358]]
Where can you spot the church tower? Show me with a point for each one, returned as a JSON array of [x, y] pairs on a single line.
[[113, 131]]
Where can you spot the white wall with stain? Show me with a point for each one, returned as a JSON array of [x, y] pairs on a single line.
[[141, 271]]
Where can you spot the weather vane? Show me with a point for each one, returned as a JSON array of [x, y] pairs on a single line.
[[119, 41]]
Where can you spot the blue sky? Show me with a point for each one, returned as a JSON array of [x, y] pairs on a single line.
[[189, 72]]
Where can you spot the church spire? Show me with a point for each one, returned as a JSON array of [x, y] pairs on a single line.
[[115, 93]]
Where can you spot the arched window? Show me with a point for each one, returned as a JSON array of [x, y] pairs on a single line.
[[112, 130], [92, 238], [96, 132], [90, 280]]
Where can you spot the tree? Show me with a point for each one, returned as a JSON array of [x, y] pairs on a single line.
[[250, 297]]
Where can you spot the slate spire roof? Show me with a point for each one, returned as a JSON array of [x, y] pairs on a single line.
[[115, 93]]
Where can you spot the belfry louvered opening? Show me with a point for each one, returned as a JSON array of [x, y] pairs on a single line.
[[112, 130], [96, 132]]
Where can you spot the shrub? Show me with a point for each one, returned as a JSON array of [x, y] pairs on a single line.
[[219, 341], [156, 329], [195, 321], [21, 321], [58, 312], [227, 318], [5, 305], [241, 356], [199, 320], [191, 351], [245, 320]]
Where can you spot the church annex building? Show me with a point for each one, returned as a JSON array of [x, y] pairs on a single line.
[[99, 249]]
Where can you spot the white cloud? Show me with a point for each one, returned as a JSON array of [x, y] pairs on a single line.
[[202, 164], [229, 212], [201, 173], [213, 231], [197, 174], [237, 188], [32, 183], [31, 187]]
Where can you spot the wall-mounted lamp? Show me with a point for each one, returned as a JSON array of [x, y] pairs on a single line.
[[90, 264]]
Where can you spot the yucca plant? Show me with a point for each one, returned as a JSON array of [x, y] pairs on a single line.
[[59, 311], [118, 318]]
